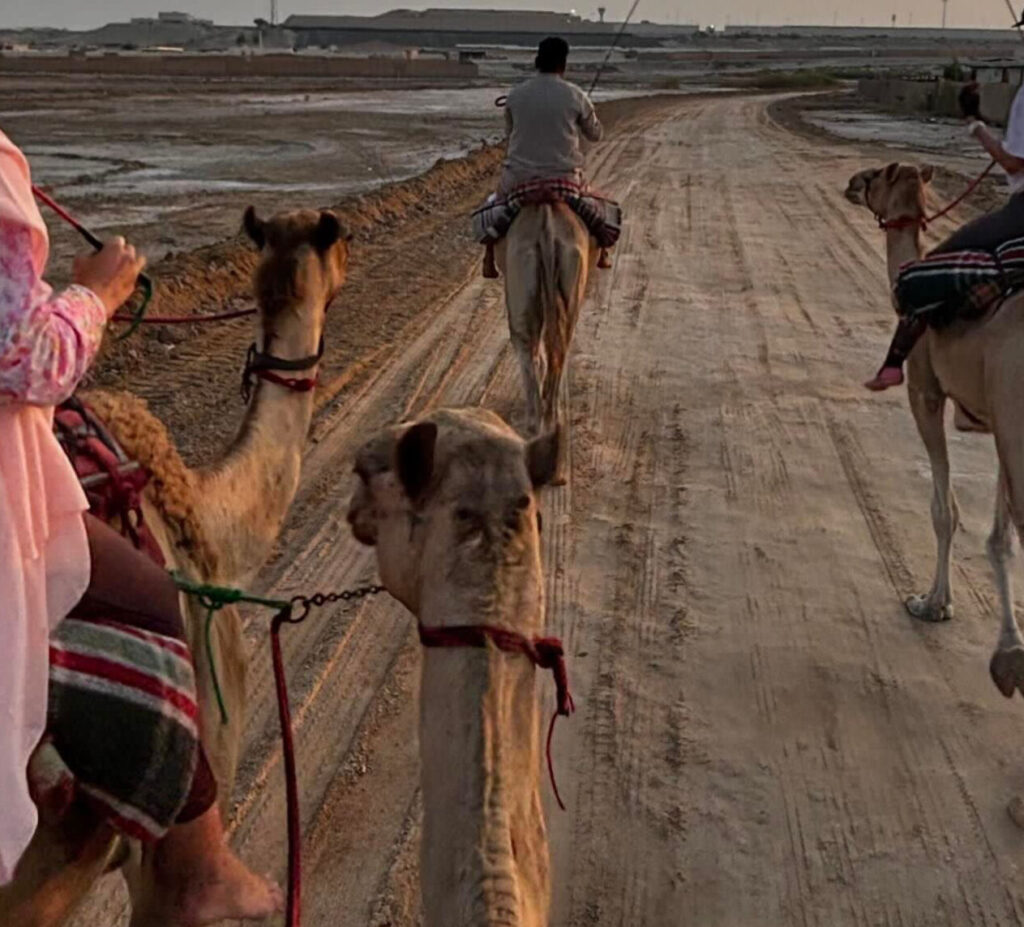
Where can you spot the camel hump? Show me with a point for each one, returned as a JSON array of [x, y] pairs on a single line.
[[172, 487]]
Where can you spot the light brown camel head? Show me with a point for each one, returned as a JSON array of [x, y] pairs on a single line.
[[892, 193], [303, 264], [449, 503]]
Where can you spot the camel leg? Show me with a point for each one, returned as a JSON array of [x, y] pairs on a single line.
[[1007, 664], [527, 354], [929, 409]]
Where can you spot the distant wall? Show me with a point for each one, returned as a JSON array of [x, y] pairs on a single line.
[[936, 96], [240, 66]]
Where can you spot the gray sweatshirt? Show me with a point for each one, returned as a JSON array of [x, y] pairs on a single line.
[[544, 118]]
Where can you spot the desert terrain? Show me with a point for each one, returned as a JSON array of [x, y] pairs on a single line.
[[763, 736]]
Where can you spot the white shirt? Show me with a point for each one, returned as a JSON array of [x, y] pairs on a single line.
[[1013, 140]]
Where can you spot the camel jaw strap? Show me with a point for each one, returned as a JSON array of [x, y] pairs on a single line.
[[545, 653], [267, 367], [903, 222]]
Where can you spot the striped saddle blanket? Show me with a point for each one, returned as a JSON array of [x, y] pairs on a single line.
[[959, 284], [601, 216], [123, 717]]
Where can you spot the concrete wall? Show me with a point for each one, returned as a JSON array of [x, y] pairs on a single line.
[[240, 66], [938, 97]]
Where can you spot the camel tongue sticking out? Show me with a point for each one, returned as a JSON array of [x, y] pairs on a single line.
[[217, 524], [449, 504], [980, 365]]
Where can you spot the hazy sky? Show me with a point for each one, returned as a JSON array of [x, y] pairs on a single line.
[[84, 13]]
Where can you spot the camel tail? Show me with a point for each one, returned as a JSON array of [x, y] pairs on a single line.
[[554, 304]]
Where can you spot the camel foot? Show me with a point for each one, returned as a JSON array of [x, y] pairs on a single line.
[[1015, 809], [924, 608], [1007, 670]]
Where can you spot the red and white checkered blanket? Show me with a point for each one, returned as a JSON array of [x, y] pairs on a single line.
[[960, 284], [601, 216], [124, 718]]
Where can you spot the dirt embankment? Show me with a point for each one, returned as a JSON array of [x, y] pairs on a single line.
[[412, 247]]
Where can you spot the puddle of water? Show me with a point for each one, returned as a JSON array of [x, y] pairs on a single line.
[[942, 135]]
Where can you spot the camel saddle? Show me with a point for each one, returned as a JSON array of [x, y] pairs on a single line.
[[112, 482]]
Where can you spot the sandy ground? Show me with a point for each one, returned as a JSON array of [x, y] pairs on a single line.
[[763, 736]]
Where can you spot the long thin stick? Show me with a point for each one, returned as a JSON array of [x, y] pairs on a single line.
[[615, 41], [1013, 16]]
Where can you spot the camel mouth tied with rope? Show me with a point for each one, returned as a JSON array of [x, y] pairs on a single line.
[[922, 222]]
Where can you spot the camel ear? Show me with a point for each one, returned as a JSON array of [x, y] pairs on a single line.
[[542, 457], [927, 173], [254, 227], [892, 172], [327, 231], [415, 458]]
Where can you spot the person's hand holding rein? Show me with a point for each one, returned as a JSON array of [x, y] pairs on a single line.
[[110, 273]]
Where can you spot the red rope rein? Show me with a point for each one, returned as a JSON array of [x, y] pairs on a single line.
[[544, 652], [187, 319], [294, 909]]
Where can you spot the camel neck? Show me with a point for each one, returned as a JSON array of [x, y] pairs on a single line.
[[484, 835], [248, 492], [901, 246]]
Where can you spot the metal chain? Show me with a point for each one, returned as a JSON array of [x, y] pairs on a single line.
[[320, 599]]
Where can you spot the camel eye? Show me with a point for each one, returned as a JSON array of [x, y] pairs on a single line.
[[523, 502], [464, 515]]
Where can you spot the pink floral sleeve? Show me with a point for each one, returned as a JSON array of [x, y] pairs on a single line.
[[46, 345]]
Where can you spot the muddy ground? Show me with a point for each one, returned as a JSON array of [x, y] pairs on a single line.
[[764, 737]]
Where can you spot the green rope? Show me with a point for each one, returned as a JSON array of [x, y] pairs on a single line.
[[145, 285], [214, 598]]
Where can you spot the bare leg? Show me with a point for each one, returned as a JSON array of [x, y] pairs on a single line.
[[196, 879], [928, 407], [490, 269]]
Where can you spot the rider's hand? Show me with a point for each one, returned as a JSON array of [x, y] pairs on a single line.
[[110, 273]]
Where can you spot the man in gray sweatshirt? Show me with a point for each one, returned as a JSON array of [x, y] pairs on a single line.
[[544, 119]]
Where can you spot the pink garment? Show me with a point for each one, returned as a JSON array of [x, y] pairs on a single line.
[[46, 345]]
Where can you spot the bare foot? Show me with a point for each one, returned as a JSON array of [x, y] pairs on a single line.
[[227, 889], [885, 378], [195, 879]]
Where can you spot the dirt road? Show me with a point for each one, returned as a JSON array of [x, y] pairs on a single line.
[[763, 736]]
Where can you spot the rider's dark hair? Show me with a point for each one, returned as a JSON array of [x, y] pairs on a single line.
[[552, 54]]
